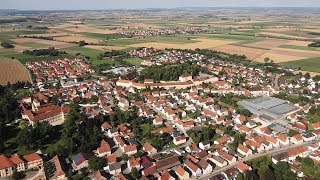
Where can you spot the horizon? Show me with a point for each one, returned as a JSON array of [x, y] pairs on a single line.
[[47, 5]]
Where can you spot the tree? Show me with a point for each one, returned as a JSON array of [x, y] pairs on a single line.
[[82, 43], [266, 60], [7, 45], [135, 173], [95, 163]]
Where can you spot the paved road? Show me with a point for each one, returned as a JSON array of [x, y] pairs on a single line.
[[272, 152]]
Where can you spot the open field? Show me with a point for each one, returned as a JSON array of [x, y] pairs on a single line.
[[311, 64], [76, 38], [300, 47], [251, 53], [55, 44], [268, 43], [202, 44], [105, 48], [134, 61], [12, 71]]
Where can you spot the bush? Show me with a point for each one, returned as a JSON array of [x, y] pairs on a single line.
[[7, 45]]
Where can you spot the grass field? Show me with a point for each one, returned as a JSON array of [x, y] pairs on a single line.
[[103, 36], [312, 64], [134, 61], [300, 47], [101, 62], [34, 45], [93, 53], [23, 58]]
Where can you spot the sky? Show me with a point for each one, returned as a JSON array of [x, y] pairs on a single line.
[[141, 4]]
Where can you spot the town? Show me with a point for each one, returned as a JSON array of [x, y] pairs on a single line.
[[211, 117]]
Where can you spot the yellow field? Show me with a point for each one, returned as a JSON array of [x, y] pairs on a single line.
[[104, 47], [297, 52], [251, 53], [76, 38], [278, 57], [12, 71], [202, 44]]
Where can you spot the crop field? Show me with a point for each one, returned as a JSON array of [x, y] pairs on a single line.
[[202, 44], [311, 64], [284, 39], [76, 38], [12, 71]]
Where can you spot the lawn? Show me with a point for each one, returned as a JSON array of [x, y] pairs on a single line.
[[300, 47], [312, 64], [134, 61]]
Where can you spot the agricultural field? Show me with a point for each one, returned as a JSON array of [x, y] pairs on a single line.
[[310, 65], [257, 35], [12, 71]]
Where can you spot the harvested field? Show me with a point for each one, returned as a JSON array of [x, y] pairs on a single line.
[[104, 48], [297, 52], [268, 43], [85, 28], [76, 38], [12, 71], [278, 57], [202, 44], [251, 53], [55, 44], [44, 35], [298, 43]]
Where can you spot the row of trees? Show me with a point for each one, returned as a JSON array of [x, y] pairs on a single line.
[[51, 51], [314, 44], [9, 110], [113, 54]]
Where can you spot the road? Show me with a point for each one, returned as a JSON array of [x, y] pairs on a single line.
[[272, 152]]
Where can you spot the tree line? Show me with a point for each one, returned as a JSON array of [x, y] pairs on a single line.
[[51, 51]]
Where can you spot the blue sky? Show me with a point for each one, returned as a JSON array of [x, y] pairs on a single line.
[[136, 4]]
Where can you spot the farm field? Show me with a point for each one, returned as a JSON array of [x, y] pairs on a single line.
[[255, 35], [311, 64], [12, 71]]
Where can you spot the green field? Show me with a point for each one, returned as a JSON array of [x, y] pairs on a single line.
[[23, 58], [134, 61], [312, 64], [93, 53], [104, 36], [300, 47], [34, 45], [233, 37], [97, 62]]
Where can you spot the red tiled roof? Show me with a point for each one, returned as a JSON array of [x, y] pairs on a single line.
[[32, 157], [5, 162]]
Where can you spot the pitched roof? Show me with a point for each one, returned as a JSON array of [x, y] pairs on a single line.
[[191, 166], [32, 157], [5, 162], [180, 171], [242, 166]]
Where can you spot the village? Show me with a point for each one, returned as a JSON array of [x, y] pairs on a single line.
[[210, 123]]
